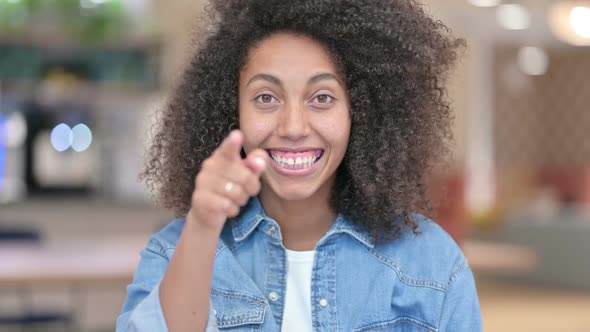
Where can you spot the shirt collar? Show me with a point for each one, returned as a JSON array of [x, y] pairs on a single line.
[[345, 225], [253, 214]]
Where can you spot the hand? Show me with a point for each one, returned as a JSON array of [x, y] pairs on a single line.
[[225, 183]]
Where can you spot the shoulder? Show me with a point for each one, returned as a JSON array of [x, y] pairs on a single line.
[[164, 242], [428, 255], [167, 237]]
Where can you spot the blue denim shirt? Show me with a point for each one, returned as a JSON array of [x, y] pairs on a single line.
[[417, 283]]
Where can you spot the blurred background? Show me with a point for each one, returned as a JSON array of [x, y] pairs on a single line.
[[80, 81]]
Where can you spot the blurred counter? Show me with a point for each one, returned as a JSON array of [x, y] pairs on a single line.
[[71, 218]]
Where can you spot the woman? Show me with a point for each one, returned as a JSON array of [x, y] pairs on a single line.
[[302, 218]]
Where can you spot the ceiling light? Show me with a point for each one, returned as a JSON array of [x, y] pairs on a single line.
[[570, 21], [513, 17], [580, 21], [484, 3]]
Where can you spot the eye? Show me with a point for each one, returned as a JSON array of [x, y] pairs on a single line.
[[324, 99], [266, 99]]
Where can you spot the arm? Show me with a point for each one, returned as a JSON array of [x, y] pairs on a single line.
[[143, 310], [190, 272], [461, 312], [224, 184], [181, 301]]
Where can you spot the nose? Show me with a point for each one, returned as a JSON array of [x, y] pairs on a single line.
[[293, 122]]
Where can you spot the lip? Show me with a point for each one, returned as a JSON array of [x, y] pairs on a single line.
[[302, 149], [295, 172]]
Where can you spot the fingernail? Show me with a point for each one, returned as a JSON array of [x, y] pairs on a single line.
[[260, 162]]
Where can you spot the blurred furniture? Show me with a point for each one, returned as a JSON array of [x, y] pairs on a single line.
[[499, 258], [75, 265], [30, 318], [81, 263], [561, 243], [571, 184]]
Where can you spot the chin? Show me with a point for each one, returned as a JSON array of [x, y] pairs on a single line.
[[293, 194]]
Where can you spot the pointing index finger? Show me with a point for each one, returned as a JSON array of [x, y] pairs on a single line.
[[232, 145]]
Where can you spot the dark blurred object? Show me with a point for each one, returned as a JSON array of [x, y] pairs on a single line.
[[30, 319], [55, 86], [571, 184], [19, 235], [62, 96]]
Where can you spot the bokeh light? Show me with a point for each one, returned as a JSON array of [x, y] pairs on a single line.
[[513, 17], [580, 21], [81, 137], [61, 137], [484, 3], [532, 60], [15, 130]]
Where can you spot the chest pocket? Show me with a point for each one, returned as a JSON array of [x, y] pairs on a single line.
[[399, 324], [236, 311]]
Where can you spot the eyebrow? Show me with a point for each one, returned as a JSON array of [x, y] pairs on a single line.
[[274, 80]]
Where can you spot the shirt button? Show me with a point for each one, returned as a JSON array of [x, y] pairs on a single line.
[[273, 296], [272, 229], [214, 312], [324, 303]]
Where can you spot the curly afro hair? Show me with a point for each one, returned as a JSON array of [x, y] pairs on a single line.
[[395, 59]]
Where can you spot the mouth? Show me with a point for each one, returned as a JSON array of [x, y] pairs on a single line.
[[295, 160]]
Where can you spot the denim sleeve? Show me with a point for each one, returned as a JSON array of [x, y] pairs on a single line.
[[461, 311], [142, 311]]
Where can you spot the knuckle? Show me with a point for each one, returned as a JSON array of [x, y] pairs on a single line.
[[233, 210], [195, 198], [220, 152], [242, 177], [250, 191], [222, 206], [254, 187], [243, 199], [199, 180], [207, 163]]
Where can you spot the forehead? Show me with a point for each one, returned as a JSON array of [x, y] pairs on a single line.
[[288, 54]]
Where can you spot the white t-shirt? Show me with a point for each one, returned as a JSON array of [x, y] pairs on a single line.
[[297, 311]]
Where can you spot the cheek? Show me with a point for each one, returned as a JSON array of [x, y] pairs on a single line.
[[337, 133], [255, 129]]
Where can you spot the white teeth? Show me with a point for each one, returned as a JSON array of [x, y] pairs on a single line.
[[296, 163]]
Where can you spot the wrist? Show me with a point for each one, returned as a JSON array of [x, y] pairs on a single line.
[[193, 224]]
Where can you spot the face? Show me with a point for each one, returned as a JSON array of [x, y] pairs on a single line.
[[294, 104]]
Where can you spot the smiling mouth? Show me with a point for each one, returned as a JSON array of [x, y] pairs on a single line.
[[295, 160]]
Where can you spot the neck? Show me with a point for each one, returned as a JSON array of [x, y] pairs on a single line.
[[303, 222]]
